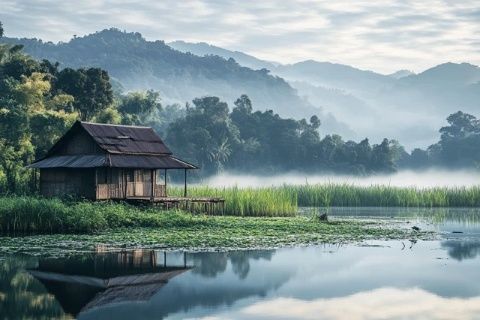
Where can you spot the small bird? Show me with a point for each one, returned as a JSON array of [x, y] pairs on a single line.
[[416, 228]]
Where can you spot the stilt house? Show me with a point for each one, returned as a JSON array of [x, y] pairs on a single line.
[[100, 161]]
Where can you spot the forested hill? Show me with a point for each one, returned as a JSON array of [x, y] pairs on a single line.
[[179, 77], [404, 105]]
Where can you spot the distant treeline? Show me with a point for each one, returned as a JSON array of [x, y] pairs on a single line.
[[39, 102]]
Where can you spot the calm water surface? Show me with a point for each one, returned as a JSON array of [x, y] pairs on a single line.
[[373, 280]]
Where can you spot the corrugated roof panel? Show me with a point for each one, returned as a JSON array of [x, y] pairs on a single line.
[[114, 160], [126, 139], [72, 161], [148, 162]]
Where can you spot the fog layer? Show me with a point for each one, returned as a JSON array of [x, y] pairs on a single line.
[[424, 179]]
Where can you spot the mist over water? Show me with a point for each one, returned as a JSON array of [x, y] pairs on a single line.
[[419, 179]]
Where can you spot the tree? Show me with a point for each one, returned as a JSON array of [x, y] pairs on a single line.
[[138, 107], [109, 115], [206, 135], [90, 88], [461, 126], [315, 122], [419, 158], [383, 157], [1, 29], [140, 102], [32, 115], [459, 143], [244, 104]]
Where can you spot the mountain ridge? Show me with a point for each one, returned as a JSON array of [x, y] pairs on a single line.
[[408, 106], [140, 64]]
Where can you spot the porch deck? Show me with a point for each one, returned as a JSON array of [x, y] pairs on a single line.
[[192, 204]]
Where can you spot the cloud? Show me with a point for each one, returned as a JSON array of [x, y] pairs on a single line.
[[382, 36], [383, 303]]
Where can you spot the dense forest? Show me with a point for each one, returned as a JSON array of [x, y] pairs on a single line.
[[39, 101]]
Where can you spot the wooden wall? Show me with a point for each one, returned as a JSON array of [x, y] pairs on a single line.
[[80, 143], [100, 183], [60, 182], [116, 183]]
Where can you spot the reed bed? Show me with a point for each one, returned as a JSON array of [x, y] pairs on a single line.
[[253, 202], [38, 215], [283, 200], [339, 195]]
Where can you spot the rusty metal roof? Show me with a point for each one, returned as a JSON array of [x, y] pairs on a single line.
[[126, 139], [114, 161], [148, 162], [124, 147], [72, 161]]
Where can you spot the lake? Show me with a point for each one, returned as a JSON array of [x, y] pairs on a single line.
[[371, 280]]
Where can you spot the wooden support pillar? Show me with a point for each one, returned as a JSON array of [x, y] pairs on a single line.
[[34, 180], [95, 172], [165, 176], [152, 188], [185, 185], [125, 183]]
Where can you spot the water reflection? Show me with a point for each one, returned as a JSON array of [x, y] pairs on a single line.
[[461, 250], [21, 296], [384, 303], [126, 283], [87, 282], [460, 226], [467, 217], [210, 264]]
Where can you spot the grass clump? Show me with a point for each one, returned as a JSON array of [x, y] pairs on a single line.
[[40, 215], [253, 202]]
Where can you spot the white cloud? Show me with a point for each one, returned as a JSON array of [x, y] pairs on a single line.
[[384, 303], [383, 36]]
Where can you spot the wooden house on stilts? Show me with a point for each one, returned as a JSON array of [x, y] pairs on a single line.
[[100, 161]]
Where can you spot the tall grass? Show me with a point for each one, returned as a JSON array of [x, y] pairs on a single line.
[[246, 201], [30, 214], [384, 196], [283, 200], [39, 215]]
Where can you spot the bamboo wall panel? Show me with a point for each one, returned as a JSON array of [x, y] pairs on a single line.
[[63, 182]]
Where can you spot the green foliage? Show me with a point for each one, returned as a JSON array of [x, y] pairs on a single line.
[[283, 200], [263, 142], [120, 225], [32, 116], [246, 201], [205, 135], [459, 145], [382, 196], [38, 103], [91, 89], [39, 215]]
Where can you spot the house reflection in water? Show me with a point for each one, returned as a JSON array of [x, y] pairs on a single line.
[[85, 283]]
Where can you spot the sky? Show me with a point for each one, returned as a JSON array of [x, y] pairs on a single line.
[[382, 36]]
